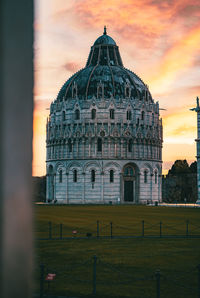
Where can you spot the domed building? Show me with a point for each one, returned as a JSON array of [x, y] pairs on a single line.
[[104, 135]]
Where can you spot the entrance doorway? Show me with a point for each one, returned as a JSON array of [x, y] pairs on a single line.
[[128, 191], [130, 184]]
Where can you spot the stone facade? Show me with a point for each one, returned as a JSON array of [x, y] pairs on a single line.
[[104, 135]]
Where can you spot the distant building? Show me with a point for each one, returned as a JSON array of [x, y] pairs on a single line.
[[104, 135], [197, 109]]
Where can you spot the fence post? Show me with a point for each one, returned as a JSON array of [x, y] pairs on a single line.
[[50, 230], [160, 228], [61, 236], [143, 228], [94, 274], [41, 280], [187, 228], [111, 230], [97, 229], [198, 267], [157, 274]]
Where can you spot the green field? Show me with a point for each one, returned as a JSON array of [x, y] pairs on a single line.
[[125, 267]]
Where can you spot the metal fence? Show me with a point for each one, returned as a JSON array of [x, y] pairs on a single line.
[[96, 278], [101, 230]]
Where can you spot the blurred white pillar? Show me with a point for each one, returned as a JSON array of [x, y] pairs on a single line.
[[16, 107]]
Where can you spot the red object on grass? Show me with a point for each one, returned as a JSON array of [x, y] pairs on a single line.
[[50, 276]]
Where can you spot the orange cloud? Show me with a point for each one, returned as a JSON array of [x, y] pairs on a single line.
[[181, 55], [143, 19], [124, 17], [180, 127]]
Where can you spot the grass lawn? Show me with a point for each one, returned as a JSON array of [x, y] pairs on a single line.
[[125, 267]]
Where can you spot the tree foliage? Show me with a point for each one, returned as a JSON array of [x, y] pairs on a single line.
[[39, 188], [181, 167], [181, 182]]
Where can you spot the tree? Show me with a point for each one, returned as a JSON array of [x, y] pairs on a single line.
[[179, 167], [181, 182], [39, 188], [193, 167]]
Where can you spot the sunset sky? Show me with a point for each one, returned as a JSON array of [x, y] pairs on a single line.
[[158, 39]]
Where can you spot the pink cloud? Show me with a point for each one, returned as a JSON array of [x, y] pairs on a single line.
[[71, 66]]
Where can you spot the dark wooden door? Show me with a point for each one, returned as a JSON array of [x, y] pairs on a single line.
[[128, 191]]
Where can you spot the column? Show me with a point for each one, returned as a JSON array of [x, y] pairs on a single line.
[[159, 188], [126, 148], [54, 188], [78, 147], [119, 143], [47, 187], [134, 149], [83, 146], [121, 195], [115, 147], [90, 146], [143, 144], [83, 195], [62, 149], [67, 198], [72, 153], [122, 147], [151, 178], [109, 141], [102, 186]]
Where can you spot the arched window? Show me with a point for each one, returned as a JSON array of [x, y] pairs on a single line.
[[138, 121], [99, 145], [156, 177], [77, 114], [63, 116], [112, 114], [111, 176], [70, 145], [146, 95], [60, 176], [128, 115], [145, 176], [128, 171], [93, 176], [130, 146], [127, 92], [152, 118], [75, 176], [100, 92], [93, 114], [142, 115], [74, 91], [50, 172]]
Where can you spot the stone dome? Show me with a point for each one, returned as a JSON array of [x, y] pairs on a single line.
[[104, 68], [104, 39]]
